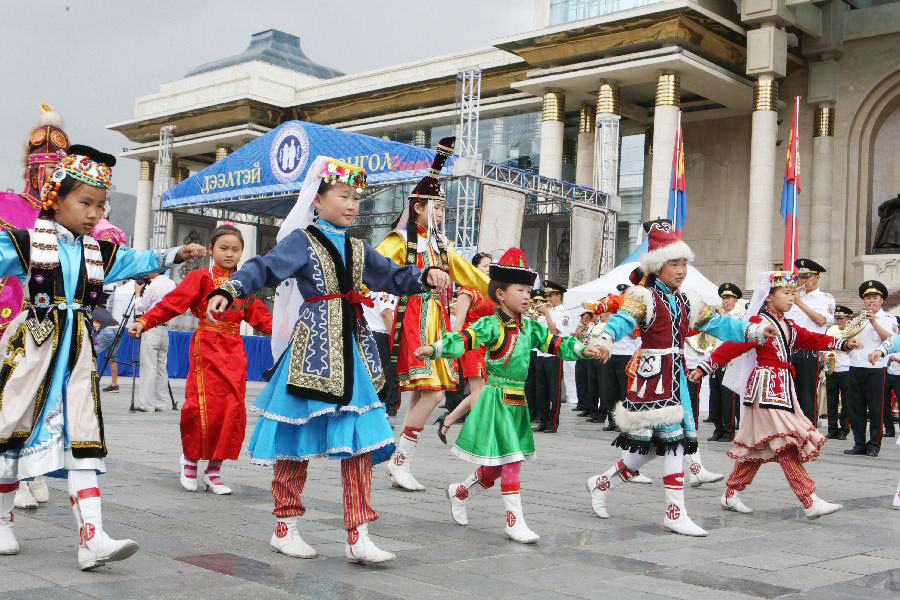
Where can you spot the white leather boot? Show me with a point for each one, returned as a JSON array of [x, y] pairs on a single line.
[[599, 486], [458, 494], [815, 507], [360, 547], [676, 518], [96, 547], [399, 467], [896, 502], [516, 528], [287, 540], [731, 501], [38, 488], [8, 542], [640, 478], [698, 473], [24, 497]]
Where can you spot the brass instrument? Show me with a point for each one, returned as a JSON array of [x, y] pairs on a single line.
[[595, 330], [534, 309], [702, 342], [855, 325]]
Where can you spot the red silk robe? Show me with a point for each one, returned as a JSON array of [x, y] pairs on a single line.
[[213, 418]]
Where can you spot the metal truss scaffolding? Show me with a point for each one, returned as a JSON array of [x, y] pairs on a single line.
[[161, 218], [469, 103]]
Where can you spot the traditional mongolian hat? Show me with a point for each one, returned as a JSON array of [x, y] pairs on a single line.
[[88, 165], [42, 147], [513, 268], [730, 289], [663, 244], [622, 287], [872, 286], [429, 187]]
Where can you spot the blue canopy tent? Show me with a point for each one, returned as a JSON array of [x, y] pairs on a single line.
[[264, 176]]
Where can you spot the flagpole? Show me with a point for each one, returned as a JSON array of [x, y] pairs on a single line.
[[675, 165], [796, 152]]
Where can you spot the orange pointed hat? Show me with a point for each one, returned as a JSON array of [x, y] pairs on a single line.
[[513, 268]]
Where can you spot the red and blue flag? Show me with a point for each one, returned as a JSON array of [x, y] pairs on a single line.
[[790, 193]]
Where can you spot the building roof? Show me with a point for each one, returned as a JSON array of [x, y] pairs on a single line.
[[274, 47]]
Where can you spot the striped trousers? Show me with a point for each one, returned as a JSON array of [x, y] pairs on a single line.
[[356, 477], [801, 483]]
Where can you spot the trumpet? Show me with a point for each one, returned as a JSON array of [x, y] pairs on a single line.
[[855, 325], [534, 309]]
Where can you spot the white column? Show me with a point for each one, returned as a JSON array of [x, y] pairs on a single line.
[[822, 182], [761, 203], [607, 146], [143, 213], [584, 155], [552, 127], [499, 150], [665, 121]]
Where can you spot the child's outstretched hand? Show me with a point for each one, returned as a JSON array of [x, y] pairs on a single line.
[[136, 329], [593, 352], [875, 356], [438, 279], [695, 376], [852, 344], [215, 307], [770, 331], [425, 351], [191, 251]]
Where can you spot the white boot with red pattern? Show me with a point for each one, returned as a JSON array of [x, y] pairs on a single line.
[[360, 547], [287, 540], [96, 548], [516, 528]]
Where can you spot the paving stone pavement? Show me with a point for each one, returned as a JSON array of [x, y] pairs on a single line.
[[197, 545]]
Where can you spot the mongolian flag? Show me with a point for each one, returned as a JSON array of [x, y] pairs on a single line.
[[677, 212], [791, 191]]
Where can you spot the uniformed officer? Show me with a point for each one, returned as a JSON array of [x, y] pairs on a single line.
[[837, 383], [867, 380], [614, 377], [583, 377], [537, 298], [548, 367], [813, 310], [723, 403]]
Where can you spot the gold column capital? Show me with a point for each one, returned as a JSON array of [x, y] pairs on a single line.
[[608, 101], [554, 106], [222, 151], [765, 95], [586, 118], [146, 171], [824, 121], [668, 92]]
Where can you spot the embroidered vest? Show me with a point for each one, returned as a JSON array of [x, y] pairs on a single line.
[[321, 349]]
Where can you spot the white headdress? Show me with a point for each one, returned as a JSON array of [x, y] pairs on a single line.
[[739, 370]]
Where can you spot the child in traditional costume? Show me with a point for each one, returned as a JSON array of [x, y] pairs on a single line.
[[470, 306], [497, 434], [773, 427], [421, 319], [19, 211], [656, 417], [322, 399], [50, 418], [213, 417]]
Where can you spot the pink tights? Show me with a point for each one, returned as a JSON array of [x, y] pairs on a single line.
[[508, 474]]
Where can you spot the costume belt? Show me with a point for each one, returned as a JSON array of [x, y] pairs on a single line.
[[512, 390], [233, 328], [505, 383], [776, 364], [660, 351], [353, 297]]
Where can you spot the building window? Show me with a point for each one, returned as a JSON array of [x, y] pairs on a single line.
[[566, 11]]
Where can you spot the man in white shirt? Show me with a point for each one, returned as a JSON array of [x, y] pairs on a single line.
[[153, 389], [867, 380], [548, 367], [814, 311], [837, 379], [380, 319], [615, 380], [723, 403]]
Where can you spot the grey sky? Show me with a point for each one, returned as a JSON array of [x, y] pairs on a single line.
[[91, 59]]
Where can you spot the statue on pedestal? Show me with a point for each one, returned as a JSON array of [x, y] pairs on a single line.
[[887, 236]]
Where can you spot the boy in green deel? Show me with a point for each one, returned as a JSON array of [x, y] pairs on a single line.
[[497, 434]]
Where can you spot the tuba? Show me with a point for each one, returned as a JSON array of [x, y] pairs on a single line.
[[855, 325], [702, 342]]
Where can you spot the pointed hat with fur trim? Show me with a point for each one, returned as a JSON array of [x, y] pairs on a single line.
[[663, 244]]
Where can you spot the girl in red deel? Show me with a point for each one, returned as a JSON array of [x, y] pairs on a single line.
[[213, 418]]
